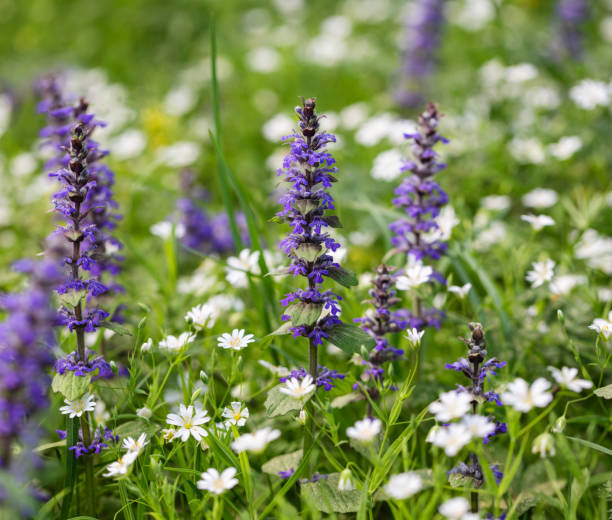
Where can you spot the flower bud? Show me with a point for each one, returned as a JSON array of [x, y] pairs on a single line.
[[544, 445], [301, 418], [560, 424], [345, 482]]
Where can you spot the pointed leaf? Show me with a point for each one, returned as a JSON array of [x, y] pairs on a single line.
[[326, 497], [70, 386], [333, 221], [283, 463], [278, 403], [604, 391], [345, 278], [308, 252], [303, 313], [350, 338]]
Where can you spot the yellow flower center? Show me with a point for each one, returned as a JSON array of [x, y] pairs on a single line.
[[237, 416], [188, 424], [234, 342]]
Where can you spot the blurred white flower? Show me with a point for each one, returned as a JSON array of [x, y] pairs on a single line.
[[565, 283], [538, 221], [100, 414], [6, 107], [364, 431], [146, 346], [568, 378], [454, 508], [451, 405], [460, 291], [415, 274], [540, 198], [339, 25], [179, 154], [398, 128], [403, 485], [542, 97], [255, 442], [362, 238], [326, 49], [521, 73], [452, 438], [278, 127], [216, 483], [523, 397], [589, 94], [121, 466], [527, 151], [135, 445], [544, 445], [353, 115], [602, 326], [298, 389], [144, 412], [541, 273], [446, 221], [596, 250], [23, 164], [387, 165], [236, 340], [279, 371], [238, 267], [473, 15], [188, 421], [605, 29], [565, 147], [495, 202], [180, 100], [176, 343], [263, 59], [164, 230], [374, 129], [478, 425], [128, 144]]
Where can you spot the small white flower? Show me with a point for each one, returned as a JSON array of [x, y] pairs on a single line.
[[189, 421], [129, 144], [236, 414], [540, 198], [454, 508], [301, 418], [277, 127], [452, 438], [79, 406], [173, 343], [100, 414], [365, 430], [180, 154], [298, 389], [146, 346], [414, 336], [345, 482], [263, 59], [238, 267], [121, 466], [538, 221], [256, 441], [374, 130], [200, 316], [541, 273], [279, 371], [451, 405], [589, 94], [403, 485], [180, 100], [527, 151], [495, 202], [523, 398], [415, 274], [478, 425], [565, 283], [431, 435], [460, 290], [387, 165], [602, 326], [135, 445], [144, 412], [236, 340], [217, 483], [168, 434], [565, 148], [162, 229], [544, 444], [567, 377]]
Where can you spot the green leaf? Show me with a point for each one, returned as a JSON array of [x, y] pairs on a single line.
[[305, 206], [135, 428], [345, 278], [604, 391], [303, 313], [70, 386], [72, 298], [278, 403], [349, 338], [592, 445], [116, 328], [283, 462], [326, 497], [308, 252], [282, 330], [333, 221]]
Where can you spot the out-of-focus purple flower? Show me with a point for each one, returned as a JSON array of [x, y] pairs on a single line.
[[325, 377], [571, 16], [422, 38], [309, 169], [98, 443]]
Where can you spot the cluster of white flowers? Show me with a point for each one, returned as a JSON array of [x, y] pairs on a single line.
[[255, 442], [122, 465], [238, 268]]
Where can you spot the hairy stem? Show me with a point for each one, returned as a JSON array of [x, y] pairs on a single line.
[[313, 369]]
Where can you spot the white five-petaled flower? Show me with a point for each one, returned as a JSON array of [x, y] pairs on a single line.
[[135, 445], [79, 406], [452, 438], [188, 421], [403, 485], [299, 389], [217, 483], [345, 481], [200, 316], [602, 326], [460, 290], [451, 405], [256, 441], [236, 340], [236, 414], [415, 274], [568, 377], [523, 397], [540, 198], [538, 221], [173, 343], [478, 425], [544, 444], [121, 466], [144, 412], [455, 508], [541, 273], [238, 267], [414, 336], [146, 346], [365, 430]]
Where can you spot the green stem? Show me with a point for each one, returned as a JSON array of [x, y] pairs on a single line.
[[70, 475], [89, 473], [313, 370]]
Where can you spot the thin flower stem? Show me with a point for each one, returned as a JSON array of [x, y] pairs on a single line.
[[313, 369]]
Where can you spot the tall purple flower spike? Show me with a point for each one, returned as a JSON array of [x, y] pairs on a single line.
[[379, 323], [421, 199], [571, 16], [423, 34], [309, 169]]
